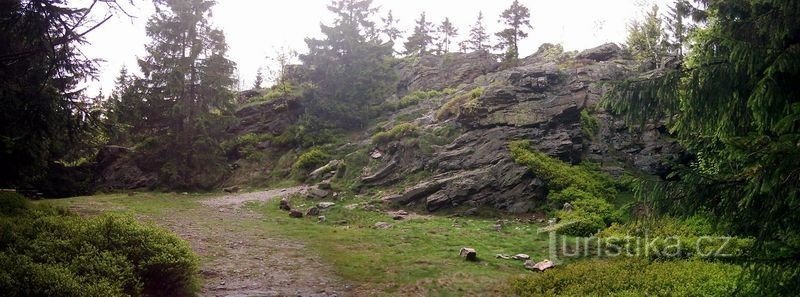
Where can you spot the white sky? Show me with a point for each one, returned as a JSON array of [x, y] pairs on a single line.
[[255, 28]]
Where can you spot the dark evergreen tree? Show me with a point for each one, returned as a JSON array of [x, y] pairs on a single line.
[[389, 28], [517, 18], [259, 79], [447, 32], [478, 38], [182, 103], [420, 41], [678, 27], [351, 71], [734, 104], [45, 116], [647, 40]]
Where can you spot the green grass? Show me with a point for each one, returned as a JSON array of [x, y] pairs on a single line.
[[416, 256]]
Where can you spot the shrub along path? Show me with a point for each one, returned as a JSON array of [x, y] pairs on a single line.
[[238, 257]]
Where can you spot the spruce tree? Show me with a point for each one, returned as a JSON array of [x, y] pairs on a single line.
[[647, 40], [421, 40], [389, 28], [734, 106], [186, 94], [44, 114], [350, 70], [517, 19], [447, 32], [678, 27], [478, 38]]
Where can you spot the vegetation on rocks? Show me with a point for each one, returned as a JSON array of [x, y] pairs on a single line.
[[396, 133], [463, 102]]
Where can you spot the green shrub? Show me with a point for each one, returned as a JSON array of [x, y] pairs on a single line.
[[12, 203], [689, 237], [589, 125], [311, 159], [631, 277], [586, 188], [464, 102], [588, 215], [48, 252], [396, 133]]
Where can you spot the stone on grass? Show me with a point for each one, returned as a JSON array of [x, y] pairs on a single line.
[[521, 257], [541, 266], [402, 212], [324, 185], [285, 205], [470, 212], [398, 217], [468, 254], [324, 205], [501, 256], [233, 189], [318, 193], [382, 225], [321, 219], [313, 211], [295, 213]]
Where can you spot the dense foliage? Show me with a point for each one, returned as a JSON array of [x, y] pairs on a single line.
[[45, 118], [350, 65], [178, 111], [46, 251], [586, 190], [733, 104]]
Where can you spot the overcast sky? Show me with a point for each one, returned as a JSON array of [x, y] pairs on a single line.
[[255, 28]]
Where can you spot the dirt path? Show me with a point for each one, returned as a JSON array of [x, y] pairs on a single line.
[[241, 260]]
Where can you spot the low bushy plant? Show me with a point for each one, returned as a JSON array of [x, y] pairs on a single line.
[[586, 188], [397, 132], [311, 159], [631, 277], [46, 251]]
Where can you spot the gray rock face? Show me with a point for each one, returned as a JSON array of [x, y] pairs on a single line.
[[119, 170], [439, 72], [601, 53], [271, 117], [541, 101]]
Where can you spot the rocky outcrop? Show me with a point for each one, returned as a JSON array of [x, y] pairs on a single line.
[[269, 117], [540, 100], [439, 72], [119, 170]]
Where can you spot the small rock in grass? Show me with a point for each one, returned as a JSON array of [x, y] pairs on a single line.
[[470, 212], [541, 266], [498, 227], [521, 257], [321, 219], [402, 212], [501, 256], [382, 225], [285, 205], [398, 217], [468, 254], [324, 185], [324, 205], [313, 211], [295, 213]]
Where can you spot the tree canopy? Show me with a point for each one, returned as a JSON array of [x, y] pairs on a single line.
[[733, 104]]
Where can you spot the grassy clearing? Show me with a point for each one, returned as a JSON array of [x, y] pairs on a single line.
[[415, 256]]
